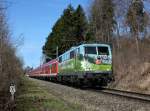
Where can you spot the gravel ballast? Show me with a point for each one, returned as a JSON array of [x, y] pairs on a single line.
[[93, 101]]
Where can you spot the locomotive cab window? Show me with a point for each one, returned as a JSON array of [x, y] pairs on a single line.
[[103, 51], [90, 50]]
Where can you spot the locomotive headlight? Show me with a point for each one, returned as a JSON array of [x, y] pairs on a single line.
[[108, 69]]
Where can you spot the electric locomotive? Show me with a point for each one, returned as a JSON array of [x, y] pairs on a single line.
[[80, 65], [86, 63]]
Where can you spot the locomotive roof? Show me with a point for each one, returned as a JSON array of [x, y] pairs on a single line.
[[95, 44], [91, 44]]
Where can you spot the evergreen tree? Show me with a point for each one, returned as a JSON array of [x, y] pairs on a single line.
[[54, 40], [68, 37], [81, 24], [61, 31], [70, 29]]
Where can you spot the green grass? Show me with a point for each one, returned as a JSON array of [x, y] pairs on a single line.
[[32, 97]]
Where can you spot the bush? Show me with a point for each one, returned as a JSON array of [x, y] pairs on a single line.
[[10, 64], [130, 66]]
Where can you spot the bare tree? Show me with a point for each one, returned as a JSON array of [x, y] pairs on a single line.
[[102, 18], [137, 20], [10, 64]]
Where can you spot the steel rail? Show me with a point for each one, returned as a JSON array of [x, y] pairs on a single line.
[[126, 94]]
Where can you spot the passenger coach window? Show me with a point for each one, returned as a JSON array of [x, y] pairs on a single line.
[[90, 50], [72, 54], [78, 51], [103, 51], [60, 59]]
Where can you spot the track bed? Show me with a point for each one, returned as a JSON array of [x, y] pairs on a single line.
[[92, 100]]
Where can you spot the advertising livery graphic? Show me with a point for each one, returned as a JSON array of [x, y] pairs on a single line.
[[86, 57]]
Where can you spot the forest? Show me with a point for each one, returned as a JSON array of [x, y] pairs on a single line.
[[107, 21]]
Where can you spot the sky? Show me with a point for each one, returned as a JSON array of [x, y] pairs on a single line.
[[31, 21]]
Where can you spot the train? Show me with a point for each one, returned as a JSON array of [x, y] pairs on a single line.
[[85, 64]]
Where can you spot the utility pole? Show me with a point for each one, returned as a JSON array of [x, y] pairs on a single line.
[[57, 52]]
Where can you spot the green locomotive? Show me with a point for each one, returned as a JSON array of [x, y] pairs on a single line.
[[86, 63]]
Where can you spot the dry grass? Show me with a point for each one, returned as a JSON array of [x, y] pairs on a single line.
[[33, 97], [132, 70]]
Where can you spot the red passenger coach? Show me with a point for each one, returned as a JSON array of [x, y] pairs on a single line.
[[46, 70]]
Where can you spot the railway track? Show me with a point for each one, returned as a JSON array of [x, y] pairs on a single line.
[[126, 94], [115, 92]]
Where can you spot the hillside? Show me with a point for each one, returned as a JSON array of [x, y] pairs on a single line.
[[132, 71], [137, 79]]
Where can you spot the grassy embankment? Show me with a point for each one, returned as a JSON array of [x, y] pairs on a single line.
[[33, 97]]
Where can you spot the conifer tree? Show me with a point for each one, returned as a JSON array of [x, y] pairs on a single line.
[[61, 32], [68, 37], [80, 24], [70, 29]]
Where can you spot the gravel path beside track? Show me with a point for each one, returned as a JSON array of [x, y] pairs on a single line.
[[93, 101]]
